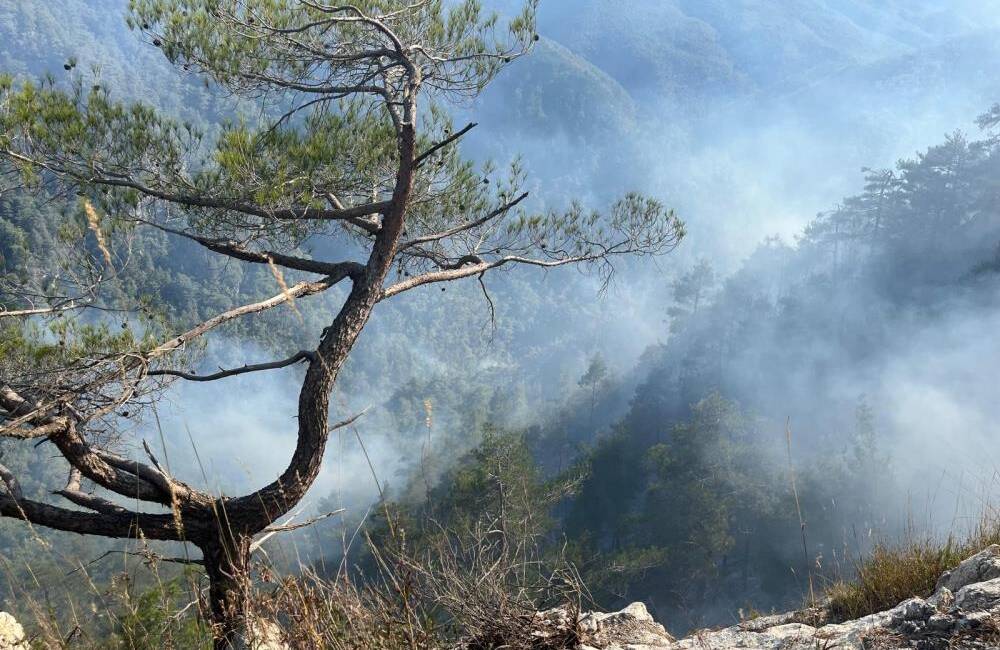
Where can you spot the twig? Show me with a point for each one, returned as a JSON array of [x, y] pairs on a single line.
[[147, 555], [444, 143]]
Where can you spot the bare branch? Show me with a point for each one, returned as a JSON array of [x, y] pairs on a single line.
[[8, 313], [42, 431], [489, 301], [271, 531], [444, 143], [147, 555], [302, 355], [296, 291], [110, 471], [462, 227], [349, 421], [10, 482], [127, 524], [91, 502]]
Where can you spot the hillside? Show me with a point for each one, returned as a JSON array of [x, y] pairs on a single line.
[[704, 432]]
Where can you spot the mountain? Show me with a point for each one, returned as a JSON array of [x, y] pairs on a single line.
[[38, 38]]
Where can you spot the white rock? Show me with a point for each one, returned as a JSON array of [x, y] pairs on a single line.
[[966, 599], [942, 599], [261, 635], [983, 566], [979, 596], [12, 635], [915, 609], [625, 629]]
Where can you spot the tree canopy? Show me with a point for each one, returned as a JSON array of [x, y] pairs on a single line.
[[350, 142]]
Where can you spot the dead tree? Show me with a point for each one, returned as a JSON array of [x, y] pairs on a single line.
[[354, 144]]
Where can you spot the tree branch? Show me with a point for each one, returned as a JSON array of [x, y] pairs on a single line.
[[353, 214], [74, 494], [127, 524], [299, 290], [444, 143], [462, 227], [302, 355], [10, 482], [109, 471], [91, 502], [9, 313], [474, 268], [149, 556], [235, 250]]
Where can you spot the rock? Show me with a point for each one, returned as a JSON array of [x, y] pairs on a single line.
[[812, 616], [979, 596], [942, 599], [12, 635], [940, 623], [261, 634], [553, 624], [854, 635], [632, 628], [914, 609], [972, 620], [983, 566], [790, 636], [964, 612]]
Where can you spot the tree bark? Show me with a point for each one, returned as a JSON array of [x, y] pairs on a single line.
[[227, 565]]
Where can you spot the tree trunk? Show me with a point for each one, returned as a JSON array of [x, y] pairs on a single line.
[[227, 564]]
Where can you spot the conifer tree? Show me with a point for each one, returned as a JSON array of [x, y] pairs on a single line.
[[350, 141]]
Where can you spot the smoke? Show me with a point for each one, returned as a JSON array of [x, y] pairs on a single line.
[[749, 117], [757, 143], [676, 103], [938, 397]]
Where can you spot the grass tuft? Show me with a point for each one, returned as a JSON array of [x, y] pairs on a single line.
[[891, 573]]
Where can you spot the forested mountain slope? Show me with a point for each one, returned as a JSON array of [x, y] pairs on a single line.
[[869, 325], [854, 358]]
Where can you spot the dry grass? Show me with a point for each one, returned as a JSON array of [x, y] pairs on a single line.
[[894, 572], [481, 589], [317, 613], [475, 591], [478, 590], [492, 589], [889, 575]]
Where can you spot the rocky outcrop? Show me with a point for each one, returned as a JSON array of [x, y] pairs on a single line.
[[12, 635], [632, 627], [963, 612]]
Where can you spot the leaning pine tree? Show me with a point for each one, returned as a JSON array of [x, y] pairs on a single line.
[[354, 144]]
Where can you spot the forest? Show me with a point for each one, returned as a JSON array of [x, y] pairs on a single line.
[[699, 310]]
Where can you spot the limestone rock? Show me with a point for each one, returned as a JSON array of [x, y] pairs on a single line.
[[984, 565], [979, 596], [789, 636], [963, 612], [632, 628], [12, 635], [942, 599]]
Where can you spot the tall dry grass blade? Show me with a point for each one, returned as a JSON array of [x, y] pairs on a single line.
[[94, 224]]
